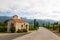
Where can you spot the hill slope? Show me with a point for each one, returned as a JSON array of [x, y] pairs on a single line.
[[31, 21]]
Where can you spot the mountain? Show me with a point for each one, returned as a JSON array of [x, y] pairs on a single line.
[[40, 21], [31, 21], [46, 21], [3, 18]]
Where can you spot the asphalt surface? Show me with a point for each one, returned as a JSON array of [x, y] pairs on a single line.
[[10, 36], [41, 34]]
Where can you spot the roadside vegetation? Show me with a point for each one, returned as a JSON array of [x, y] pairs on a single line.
[[3, 27], [31, 27], [21, 31], [55, 27], [34, 26]]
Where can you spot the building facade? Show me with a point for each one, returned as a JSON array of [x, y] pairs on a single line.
[[19, 24]]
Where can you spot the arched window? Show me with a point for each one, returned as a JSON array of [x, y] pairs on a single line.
[[26, 26], [12, 25], [21, 26]]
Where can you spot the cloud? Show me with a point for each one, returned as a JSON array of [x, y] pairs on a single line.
[[40, 9]]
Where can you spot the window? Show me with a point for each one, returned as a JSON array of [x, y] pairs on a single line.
[[21, 26], [26, 26], [12, 25]]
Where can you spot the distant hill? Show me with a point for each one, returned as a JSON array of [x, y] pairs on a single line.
[[31, 21], [3, 18], [40, 21]]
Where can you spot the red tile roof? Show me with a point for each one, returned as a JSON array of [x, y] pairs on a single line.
[[18, 20]]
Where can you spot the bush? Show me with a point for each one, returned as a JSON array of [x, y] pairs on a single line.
[[19, 31], [3, 29], [12, 29], [24, 30]]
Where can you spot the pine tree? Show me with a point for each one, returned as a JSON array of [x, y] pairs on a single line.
[[48, 25], [37, 25], [53, 27], [34, 23], [43, 24]]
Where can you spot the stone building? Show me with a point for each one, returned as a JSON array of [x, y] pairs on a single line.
[[17, 23]]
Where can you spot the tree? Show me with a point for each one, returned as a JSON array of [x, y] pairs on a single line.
[[37, 25], [59, 28], [0, 23], [43, 25], [5, 22], [53, 27], [3, 29], [48, 25], [34, 23], [12, 29]]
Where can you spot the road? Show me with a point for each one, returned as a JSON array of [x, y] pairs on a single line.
[[41, 34], [10, 36]]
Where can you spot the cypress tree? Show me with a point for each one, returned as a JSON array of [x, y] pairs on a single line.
[[37, 25], [34, 23], [48, 25]]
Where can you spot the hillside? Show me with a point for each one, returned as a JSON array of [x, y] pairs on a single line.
[[31, 21]]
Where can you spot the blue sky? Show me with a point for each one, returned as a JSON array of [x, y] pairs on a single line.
[[39, 9]]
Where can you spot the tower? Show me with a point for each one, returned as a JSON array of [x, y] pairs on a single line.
[[15, 17]]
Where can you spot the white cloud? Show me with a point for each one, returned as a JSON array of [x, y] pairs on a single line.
[[40, 9]]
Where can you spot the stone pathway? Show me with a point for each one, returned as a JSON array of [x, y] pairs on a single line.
[[41, 34]]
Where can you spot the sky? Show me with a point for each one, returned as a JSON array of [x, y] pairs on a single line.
[[31, 9]]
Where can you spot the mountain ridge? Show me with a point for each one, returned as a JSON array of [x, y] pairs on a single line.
[[31, 21]]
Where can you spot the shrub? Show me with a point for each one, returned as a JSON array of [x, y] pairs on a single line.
[[19, 31], [24, 30], [3, 29], [12, 29]]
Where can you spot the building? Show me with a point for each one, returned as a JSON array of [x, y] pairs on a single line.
[[19, 24]]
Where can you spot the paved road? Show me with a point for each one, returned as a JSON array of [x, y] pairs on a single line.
[[41, 34], [10, 36]]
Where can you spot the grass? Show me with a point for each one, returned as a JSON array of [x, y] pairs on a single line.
[[31, 27]]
